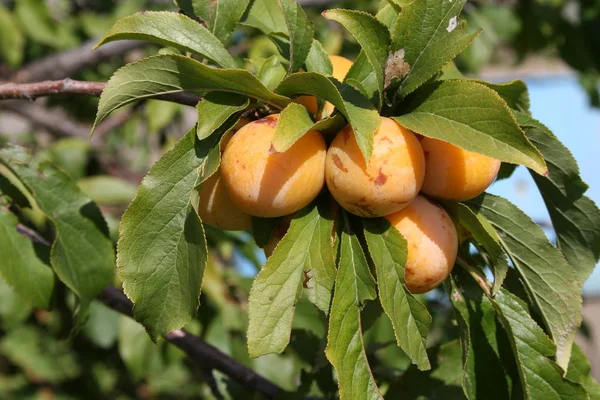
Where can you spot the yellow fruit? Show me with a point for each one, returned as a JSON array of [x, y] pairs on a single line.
[[267, 184], [431, 241], [390, 181], [454, 173], [215, 207], [341, 66], [309, 102]]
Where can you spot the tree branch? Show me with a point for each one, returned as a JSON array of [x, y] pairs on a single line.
[[31, 91], [56, 123], [203, 353], [68, 63]]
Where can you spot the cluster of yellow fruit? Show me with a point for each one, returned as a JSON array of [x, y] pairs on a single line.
[[254, 181]]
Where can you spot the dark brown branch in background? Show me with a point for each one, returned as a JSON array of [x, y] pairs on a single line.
[[31, 91], [203, 353], [68, 63]]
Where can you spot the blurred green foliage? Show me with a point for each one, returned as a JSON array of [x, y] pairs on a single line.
[[112, 357]]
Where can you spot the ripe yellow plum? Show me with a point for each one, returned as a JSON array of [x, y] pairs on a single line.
[[432, 243], [454, 173], [263, 183], [387, 183], [309, 102], [215, 207]]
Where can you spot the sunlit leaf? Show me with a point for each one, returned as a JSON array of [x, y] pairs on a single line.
[[355, 107], [21, 268], [221, 16], [372, 35], [409, 316], [550, 280], [318, 59], [162, 249], [293, 123], [173, 73], [304, 252], [300, 33], [471, 116], [172, 30], [431, 36], [215, 109], [354, 285]]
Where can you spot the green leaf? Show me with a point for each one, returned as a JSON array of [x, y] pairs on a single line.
[[409, 316], [372, 35], [13, 309], [21, 268], [580, 371], [484, 237], [159, 114], [514, 93], [489, 367], [170, 29], [173, 73], [506, 171], [215, 109], [541, 377], [387, 15], [162, 249], [355, 107], [550, 280], [331, 125], [318, 59], [12, 41], [221, 16], [354, 285], [293, 123], [102, 325], [471, 116], [362, 76], [40, 355], [82, 254], [139, 354], [266, 16], [39, 25], [441, 382], [431, 36], [305, 250], [300, 31], [575, 217], [106, 190], [72, 155], [271, 72]]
